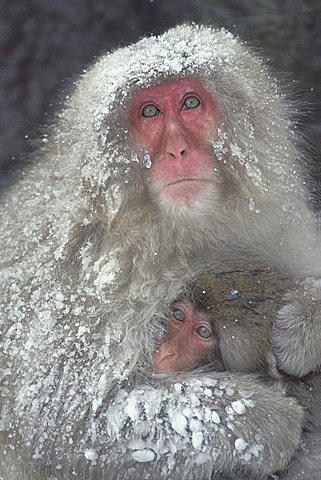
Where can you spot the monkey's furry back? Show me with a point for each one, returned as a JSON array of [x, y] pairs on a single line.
[[90, 263]]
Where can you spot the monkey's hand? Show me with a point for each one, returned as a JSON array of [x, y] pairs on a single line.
[[296, 333], [189, 428]]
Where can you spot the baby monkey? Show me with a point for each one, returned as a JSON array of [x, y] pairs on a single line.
[[195, 338], [225, 322], [191, 339]]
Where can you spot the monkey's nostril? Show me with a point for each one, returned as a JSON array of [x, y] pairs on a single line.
[[174, 155]]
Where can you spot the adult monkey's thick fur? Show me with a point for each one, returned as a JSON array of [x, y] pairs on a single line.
[[91, 261]]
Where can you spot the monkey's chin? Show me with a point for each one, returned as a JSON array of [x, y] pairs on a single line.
[[194, 206]]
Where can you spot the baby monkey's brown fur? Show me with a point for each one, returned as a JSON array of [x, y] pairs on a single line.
[[242, 302]]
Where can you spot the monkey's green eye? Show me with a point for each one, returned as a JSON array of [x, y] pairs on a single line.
[[204, 332], [179, 314], [150, 111], [190, 102]]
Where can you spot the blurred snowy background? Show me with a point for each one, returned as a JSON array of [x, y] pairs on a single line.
[[43, 43]]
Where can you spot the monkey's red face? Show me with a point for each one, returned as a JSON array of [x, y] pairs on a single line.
[[189, 339], [172, 123]]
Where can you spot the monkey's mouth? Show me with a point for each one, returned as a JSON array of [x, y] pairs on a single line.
[[182, 180], [188, 189]]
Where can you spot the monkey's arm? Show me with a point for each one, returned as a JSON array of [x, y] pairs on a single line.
[[296, 334], [232, 425]]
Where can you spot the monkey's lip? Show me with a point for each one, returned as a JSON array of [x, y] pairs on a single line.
[[187, 179]]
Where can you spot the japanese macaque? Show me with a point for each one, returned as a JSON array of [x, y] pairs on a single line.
[[170, 157], [224, 321], [221, 327], [191, 340]]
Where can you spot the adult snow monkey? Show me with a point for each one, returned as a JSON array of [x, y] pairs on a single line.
[[168, 156]]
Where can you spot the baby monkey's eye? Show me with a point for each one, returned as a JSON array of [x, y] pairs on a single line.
[[204, 332], [178, 314]]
